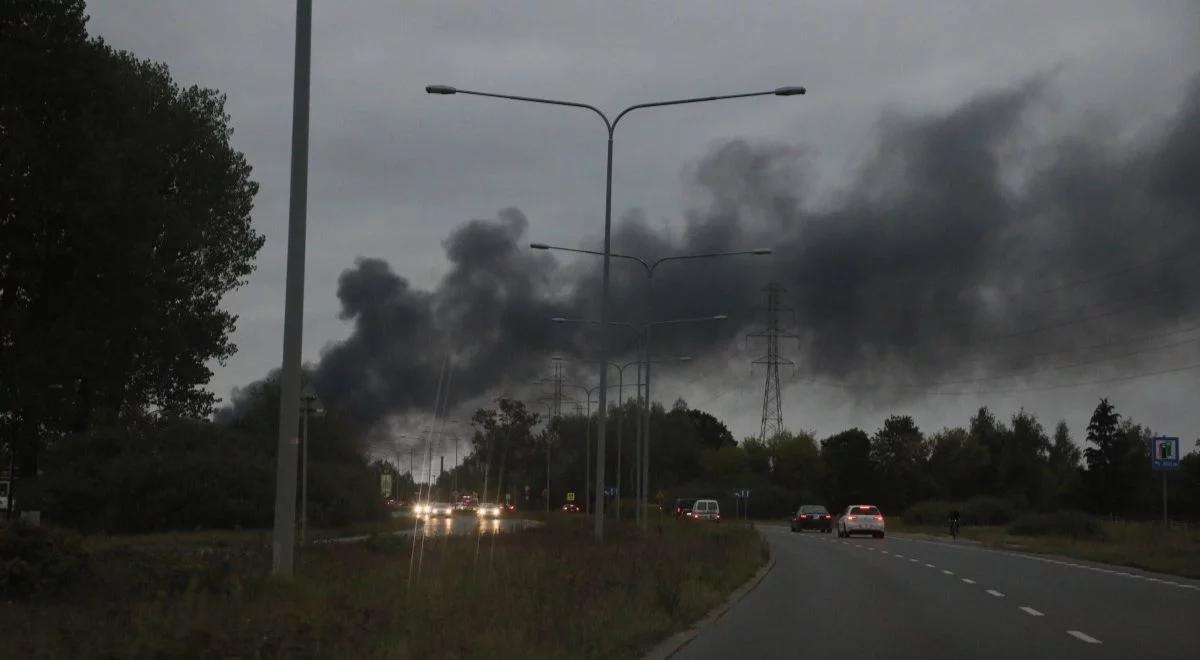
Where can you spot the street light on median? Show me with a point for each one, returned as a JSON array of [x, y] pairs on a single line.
[[643, 461], [611, 126]]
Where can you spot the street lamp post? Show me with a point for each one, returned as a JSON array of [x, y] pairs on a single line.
[[650, 268], [644, 328], [283, 538], [308, 403], [598, 524]]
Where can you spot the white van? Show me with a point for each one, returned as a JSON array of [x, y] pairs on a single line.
[[706, 510]]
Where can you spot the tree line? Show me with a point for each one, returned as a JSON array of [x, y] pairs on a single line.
[[1018, 464]]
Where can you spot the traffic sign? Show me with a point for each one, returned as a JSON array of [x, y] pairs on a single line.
[[570, 497], [1164, 453]]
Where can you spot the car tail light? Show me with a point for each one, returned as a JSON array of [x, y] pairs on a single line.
[[825, 517], [851, 517], [879, 518]]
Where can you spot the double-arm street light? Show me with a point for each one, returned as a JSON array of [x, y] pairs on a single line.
[[644, 450], [611, 125], [587, 440]]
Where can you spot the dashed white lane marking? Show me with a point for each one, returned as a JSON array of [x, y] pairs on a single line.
[[1030, 611], [911, 559], [900, 555], [930, 566], [1069, 564], [884, 551], [995, 593], [947, 572], [1083, 637], [968, 580]]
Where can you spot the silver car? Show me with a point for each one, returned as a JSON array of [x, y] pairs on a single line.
[[861, 519]]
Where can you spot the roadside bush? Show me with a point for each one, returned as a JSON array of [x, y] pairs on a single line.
[[986, 511], [190, 474], [35, 560], [928, 512], [1063, 523]]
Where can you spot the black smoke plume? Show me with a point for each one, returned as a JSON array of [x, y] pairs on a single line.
[[962, 248]]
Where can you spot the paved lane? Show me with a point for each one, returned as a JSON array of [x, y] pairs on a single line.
[[905, 598], [468, 525]]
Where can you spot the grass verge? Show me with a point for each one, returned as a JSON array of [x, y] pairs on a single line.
[[548, 592], [1148, 546]]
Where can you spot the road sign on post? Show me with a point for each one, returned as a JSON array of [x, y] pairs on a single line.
[[1165, 454], [570, 497], [1164, 457]]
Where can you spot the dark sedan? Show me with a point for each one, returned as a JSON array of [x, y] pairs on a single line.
[[812, 516]]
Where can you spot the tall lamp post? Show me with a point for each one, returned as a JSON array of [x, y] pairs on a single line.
[[283, 537], [650, 267], [644, 329], [611, 125], [587, 441], [308, 404]]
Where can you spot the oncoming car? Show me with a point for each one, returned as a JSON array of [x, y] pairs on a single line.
[[861, 519], [434, 509], [488, 510], [812, 516]]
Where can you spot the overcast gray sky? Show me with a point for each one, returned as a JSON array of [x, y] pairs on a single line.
[[393, 170]]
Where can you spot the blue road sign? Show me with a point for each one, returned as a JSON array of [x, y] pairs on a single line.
[[1164, 453]]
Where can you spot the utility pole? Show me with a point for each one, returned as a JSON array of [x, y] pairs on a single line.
[[283, 537], [772, 407]]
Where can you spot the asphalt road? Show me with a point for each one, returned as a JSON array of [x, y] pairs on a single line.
[[911, 598], [467, 525]]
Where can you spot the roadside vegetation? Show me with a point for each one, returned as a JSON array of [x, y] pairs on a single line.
[[549, 592]]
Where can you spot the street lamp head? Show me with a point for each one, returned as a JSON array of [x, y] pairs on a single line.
[[763, 251], [782, 91], [446, 89], [539, 246], [720, 317]]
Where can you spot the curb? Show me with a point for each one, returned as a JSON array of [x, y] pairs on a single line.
[[672, 645]]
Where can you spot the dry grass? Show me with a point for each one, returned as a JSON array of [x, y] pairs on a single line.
[[549, 592], [1148, 546]]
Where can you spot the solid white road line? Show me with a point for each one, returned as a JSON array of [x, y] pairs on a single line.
[[968, 580], [1083, 637], [1030, 611], [995, 593]]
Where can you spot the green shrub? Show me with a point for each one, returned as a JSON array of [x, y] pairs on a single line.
[[35, 560], [187, 474], [928, 512], [985, 510], [1063, 523]]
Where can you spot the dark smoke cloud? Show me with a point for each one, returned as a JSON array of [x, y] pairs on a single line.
[[961, 247]]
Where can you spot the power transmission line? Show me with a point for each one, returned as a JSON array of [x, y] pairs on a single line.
[[1020, 390], [772, 407]]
